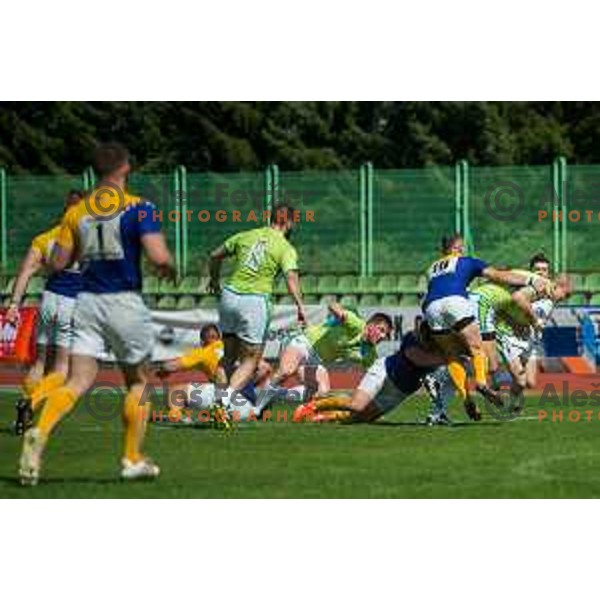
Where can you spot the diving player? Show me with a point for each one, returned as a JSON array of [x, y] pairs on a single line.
[[387, 383]]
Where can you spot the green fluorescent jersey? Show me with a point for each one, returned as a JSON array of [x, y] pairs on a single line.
[[334, 340], [499, 297], [259, 255]]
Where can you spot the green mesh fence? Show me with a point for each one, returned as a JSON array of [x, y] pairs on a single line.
[[330, 244], [394, 229], [583, 217], [505, 225], [220, 206], [412, 209], [159, 189], [33, 205]]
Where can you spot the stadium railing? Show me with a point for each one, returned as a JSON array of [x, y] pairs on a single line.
[[373, 233]]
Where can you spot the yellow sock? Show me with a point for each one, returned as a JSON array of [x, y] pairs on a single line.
[[28, 386], [59, 403], [480, 367], [458, 374], [135, 416], [44, 387], [337, 416], [334, 403]]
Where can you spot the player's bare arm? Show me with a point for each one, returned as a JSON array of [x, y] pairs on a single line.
[[522, 298], [512, 278], [158, 253], [293, 285], [338, 311], [29, 267], [217, 257]]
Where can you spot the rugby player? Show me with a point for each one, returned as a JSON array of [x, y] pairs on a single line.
[[387, 383], [107, 234], [343, 336], [55, 321], [449, 312], [259, 255]]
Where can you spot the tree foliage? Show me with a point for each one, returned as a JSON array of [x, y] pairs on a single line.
[[57, 137]]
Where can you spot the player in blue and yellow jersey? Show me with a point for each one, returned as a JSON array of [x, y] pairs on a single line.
[[55, 323], [449, 312], [107, 233], [386, 384]]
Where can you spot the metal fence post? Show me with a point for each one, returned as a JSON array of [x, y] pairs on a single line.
[[268, 200], [183, 204], [275, 185], [555, 205], [369, 197], [462, 203], [362, 206], [177, 184], [3, 217], [562, 176]]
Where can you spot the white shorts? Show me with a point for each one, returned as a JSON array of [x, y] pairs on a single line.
[[300, 343], [380, 388], [485, 314], [55, 324], [512, 347], [202, 396], [118, 322], [247, 316], [446, 312]]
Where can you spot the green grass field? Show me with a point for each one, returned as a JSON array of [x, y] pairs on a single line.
[[396, 458]]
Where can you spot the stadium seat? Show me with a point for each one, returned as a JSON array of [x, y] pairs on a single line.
[[190, 285], [410, 300], [592, 283], [167, 303], [31, 300], [348, 284], [578, 281], [349, 301], [368, 285], [209, 302], [369, 300], [328, 298], [408, 283], [422, 284], [7, 289], [595, 300], [168, 287], [150, 285], [308, 284], [186, 303], [578, 300], [328, 284], [388, 284], [285, 300], [311, 299], [389, 300]]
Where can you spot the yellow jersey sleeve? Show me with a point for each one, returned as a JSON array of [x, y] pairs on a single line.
[[206, 358], [39, 245], [66, 235]]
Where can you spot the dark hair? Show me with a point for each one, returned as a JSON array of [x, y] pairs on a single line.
[[380, 317], [109, 157], [283, 213], [74, 192], [540, 257], [449, 240], [208, 327]]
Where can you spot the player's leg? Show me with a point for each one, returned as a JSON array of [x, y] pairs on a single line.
[[531, 372], [60, 338], [23, 406], [293, 355], [130, 335], [59, 403]]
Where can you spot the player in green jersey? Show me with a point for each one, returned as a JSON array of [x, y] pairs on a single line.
[[259, 255], [342, 337]]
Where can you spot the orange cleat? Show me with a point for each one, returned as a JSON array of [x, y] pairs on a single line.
[[305, 412]]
